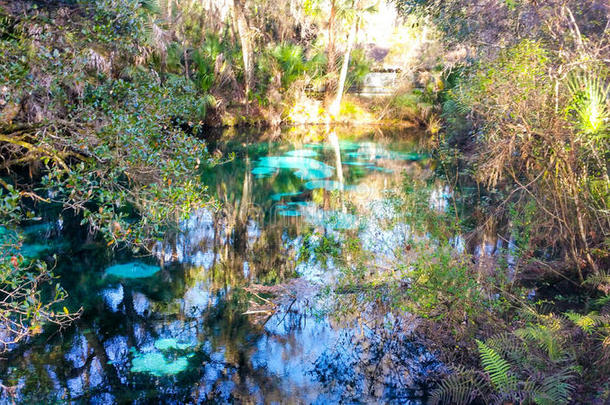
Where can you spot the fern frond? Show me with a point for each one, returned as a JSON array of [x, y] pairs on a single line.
[[596, 280], [586, 322], [497, 368], [602, 301], [508, 346], [460, 388], [554, 389], [546, 337]]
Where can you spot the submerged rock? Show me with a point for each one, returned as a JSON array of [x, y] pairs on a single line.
[[171, 343], [157, 365], [289, 213], [263, 171], [132, 270], [306, 168], [328, 185]]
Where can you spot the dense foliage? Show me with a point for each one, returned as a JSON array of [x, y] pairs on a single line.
[[87, 125]]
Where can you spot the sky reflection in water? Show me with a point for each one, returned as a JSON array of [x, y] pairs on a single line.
[[173, 329]]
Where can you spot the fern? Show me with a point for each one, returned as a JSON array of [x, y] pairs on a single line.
[[501, 385], [602, 301], [497, 368], [597, 280], [508, 346], [586, 322], [461, 387], [546, 337], [554, 389]]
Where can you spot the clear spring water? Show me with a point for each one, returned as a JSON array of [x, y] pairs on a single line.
[[171, 328]]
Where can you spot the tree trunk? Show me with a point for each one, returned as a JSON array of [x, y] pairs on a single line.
[[186, 61], [330, 50], [334, 108], [168, 11], [244, 37]]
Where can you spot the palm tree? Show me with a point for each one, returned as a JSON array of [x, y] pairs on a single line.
[[243, 30], [350, 11]]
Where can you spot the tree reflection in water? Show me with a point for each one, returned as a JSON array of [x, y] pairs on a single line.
[[180, 334]]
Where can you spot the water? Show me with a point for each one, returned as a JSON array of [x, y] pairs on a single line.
[[186, 326]]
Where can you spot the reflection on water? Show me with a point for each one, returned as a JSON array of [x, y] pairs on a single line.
[[173, 329]]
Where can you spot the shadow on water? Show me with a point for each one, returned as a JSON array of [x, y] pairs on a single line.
[[172, 328]]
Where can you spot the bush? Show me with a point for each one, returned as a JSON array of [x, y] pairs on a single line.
[[531, 149]]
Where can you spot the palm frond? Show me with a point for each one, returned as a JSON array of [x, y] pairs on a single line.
[[589, 92], [150, 6]]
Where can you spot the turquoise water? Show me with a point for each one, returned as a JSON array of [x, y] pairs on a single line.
[[180, 326]]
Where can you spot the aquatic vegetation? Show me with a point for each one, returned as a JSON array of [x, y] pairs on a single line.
[[306, 168], [132, 270]]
